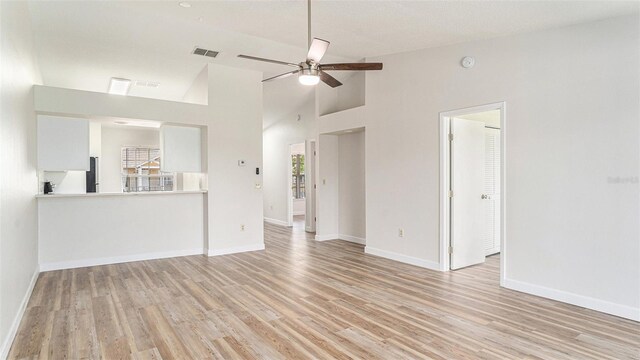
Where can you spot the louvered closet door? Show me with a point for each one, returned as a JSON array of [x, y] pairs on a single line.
[[491, 185]]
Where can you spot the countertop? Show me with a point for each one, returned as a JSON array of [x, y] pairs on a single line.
[[142, 193]]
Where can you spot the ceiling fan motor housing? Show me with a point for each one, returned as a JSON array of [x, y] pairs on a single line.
[[310, 72]]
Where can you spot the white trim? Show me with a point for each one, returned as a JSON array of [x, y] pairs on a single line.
[[353, 239], [295, 213], [624, 311], [13, 330], [327, 237], [118, 259], [275, 221], [235, 250], [444, 181], [402, 258]]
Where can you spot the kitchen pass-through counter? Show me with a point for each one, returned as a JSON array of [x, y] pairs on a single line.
[[78, 230]]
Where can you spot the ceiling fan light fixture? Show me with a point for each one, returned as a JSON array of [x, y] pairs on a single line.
[[309, 77]]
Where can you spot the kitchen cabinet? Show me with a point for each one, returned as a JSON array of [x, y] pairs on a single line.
[[180, 149], [63, 143]]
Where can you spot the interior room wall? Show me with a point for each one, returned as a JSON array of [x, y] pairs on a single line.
[[18, 176], [235, 133], [113, 139], [327, 201], [350, 95], [572, 156], [199, 90], [351, 187], [277, 140]]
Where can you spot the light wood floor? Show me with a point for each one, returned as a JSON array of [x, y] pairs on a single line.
[[301, 299]]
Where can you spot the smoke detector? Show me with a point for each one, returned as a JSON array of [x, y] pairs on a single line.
[[205, 52]]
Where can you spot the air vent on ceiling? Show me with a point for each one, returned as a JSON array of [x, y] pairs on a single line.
[[150, 84], [205, 52]]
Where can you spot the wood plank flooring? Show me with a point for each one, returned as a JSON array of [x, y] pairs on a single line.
[[301, 299]]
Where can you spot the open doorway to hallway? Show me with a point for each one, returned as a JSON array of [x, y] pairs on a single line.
[[472, 182], [297, 185], [301, 186]]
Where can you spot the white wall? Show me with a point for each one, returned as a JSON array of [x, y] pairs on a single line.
[[276, 154], [234, 133], [18, 176], [351, 186], [199, 90], [571, 131], [103, 229], [113, 139], [327, 201], [350, 95]]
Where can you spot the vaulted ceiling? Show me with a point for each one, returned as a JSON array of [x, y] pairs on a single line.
[[82, 44]]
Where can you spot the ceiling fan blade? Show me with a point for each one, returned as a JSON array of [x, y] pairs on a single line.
[[351, 66], [317, 49], [281, 76], [329, 80], [268, 60]]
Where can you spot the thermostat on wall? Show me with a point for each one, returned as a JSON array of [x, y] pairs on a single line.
[[241, 162]]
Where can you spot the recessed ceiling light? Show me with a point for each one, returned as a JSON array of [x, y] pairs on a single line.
[[119, 86], [185, 5]]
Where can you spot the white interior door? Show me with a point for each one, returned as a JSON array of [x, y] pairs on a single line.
[[492, 191], [467, 185], [310, 178]]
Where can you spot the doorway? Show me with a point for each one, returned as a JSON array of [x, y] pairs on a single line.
[[297, 185], [472, 186], [301, 190]]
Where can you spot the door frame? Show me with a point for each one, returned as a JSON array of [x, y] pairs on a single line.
[[445, 172]]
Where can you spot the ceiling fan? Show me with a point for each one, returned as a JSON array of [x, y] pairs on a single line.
[[311, 71]]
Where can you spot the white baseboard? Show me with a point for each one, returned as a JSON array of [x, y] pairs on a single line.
[[402, 258], [276, 221], [13, 330], [353, 239], [235, 250], [327, 237], [623, 311], [117, 259]]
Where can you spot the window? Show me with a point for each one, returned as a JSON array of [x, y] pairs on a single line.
[[141, 170], [297, 176]]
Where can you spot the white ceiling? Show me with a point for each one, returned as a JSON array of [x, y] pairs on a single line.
[[82, 44]]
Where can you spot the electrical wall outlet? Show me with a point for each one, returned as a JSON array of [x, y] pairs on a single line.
[[242, 227], [401, 232]]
